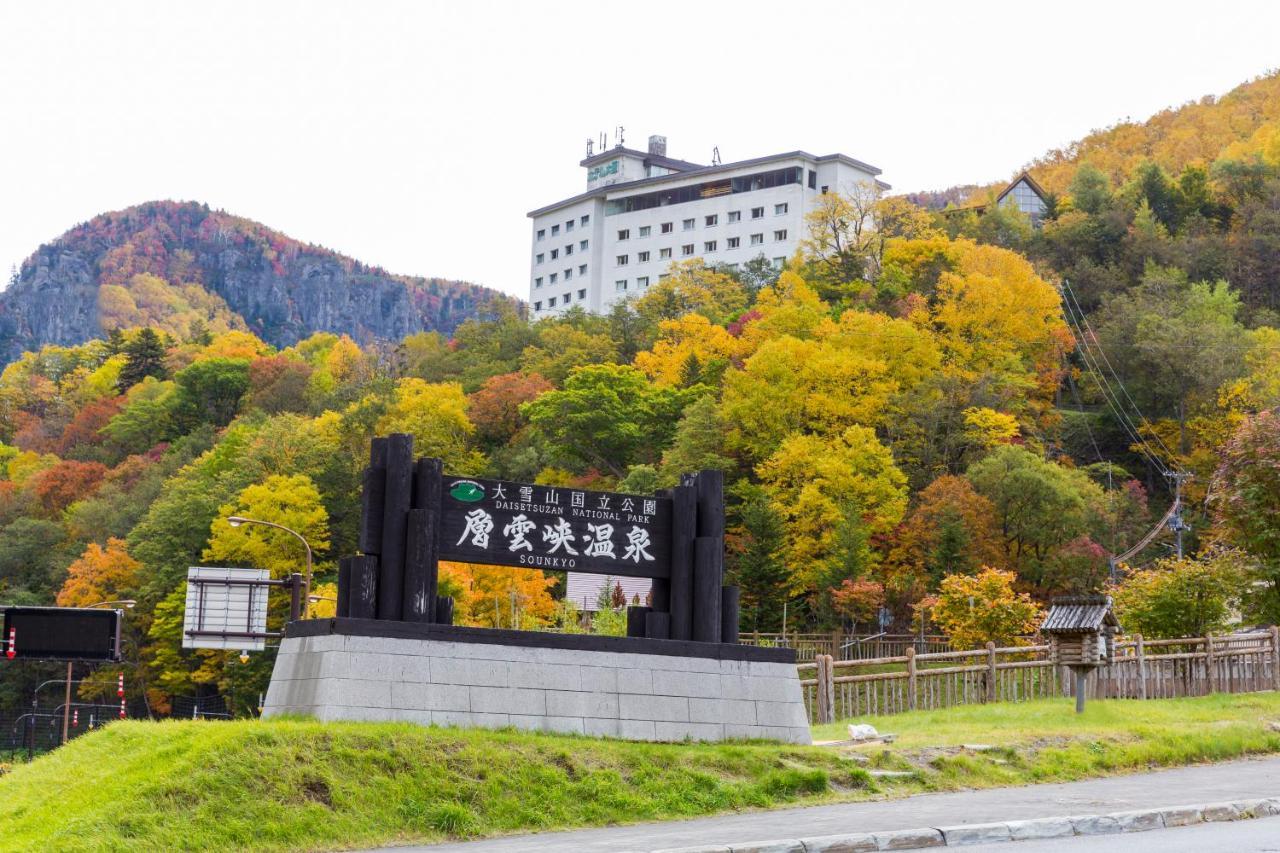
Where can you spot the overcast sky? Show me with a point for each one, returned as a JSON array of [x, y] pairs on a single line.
[[417, 135]]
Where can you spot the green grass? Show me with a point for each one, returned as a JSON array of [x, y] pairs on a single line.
[[1046, 741], [303, 785]]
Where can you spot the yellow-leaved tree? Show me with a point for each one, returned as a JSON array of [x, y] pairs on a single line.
[[289, 500], [816, 484], [497, 596], [686, 345], [973, 610], [435, 414]]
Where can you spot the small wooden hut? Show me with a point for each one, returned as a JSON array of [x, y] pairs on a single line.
[[1081, 630]]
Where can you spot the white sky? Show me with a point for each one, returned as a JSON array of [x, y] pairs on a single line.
[[416, 135]]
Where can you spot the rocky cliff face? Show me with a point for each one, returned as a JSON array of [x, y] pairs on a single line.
[[283, 290]]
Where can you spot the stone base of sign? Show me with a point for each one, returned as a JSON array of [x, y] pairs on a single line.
[[623, 687]]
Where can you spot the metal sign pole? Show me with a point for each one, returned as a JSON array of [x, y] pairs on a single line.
[[66, 707]]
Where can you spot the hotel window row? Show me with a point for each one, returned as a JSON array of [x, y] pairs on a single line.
[[688, 249], [711, 220], [554, 277], [584, 220], [564, 300], [555, 253], [622, 285]]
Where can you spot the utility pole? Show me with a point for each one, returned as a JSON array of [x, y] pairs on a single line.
[[1176, 524]]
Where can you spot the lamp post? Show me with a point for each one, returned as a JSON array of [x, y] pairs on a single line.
[[66, 702], [237, 520]]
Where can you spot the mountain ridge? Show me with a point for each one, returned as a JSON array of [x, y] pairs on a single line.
[[181, 264]]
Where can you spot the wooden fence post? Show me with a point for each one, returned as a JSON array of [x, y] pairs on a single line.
[[835, 644], [1141, 652], [1275, 657], [1208, 663], [824, 688], [911, 678], [991, 671]]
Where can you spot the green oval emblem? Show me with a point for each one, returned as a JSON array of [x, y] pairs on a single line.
[[467, 491]]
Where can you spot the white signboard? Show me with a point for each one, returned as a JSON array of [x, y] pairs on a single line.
[[224, 608]]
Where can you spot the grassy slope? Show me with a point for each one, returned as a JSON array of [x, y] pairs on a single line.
[[289, 785]]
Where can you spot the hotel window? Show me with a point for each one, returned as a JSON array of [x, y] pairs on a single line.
[[620, 285], [555, 229], [667, 227], [757, 239], [642, 281], [663, 254], [568, 250], [537, 306], [686, 249], [540, 257], [780, 235], [735, 216], [645, 230], [586, 217], [779, 263], [664, 276], [582, 294], [779, 209], [757, 213], [551, 279], [555, 253], [537, 282], [687, 225], [568, 274], [622, 260], [568, 226], [824, 189], [709, 246], [734, 242], [813, 180], [582, 245], [582, 269], [713, 219], [542, 233], [642, 258], [551, 303], [624, 233], [568, 297]]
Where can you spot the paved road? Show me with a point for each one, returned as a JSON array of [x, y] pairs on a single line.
[[1249, 836], [1185, 785]]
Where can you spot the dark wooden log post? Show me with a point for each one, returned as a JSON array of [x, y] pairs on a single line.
[[708, 556], [657, 625], [363, 602], [422, 546], [636, 620], [398, 494], [444, 609], [660, 594], [683, 530], [708, 565], [728, 614], [344, 588], [372, 495]]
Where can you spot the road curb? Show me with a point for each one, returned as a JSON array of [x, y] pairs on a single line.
[[961, 835]]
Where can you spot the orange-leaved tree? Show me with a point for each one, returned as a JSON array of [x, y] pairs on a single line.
[[99, 574]]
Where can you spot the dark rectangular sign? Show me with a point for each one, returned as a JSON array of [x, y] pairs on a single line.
[[62, 633], [555, 528]]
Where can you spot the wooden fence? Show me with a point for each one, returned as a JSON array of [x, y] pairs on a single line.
[[1143, 669], [848, 646]]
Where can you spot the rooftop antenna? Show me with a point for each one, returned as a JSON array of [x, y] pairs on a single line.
[[604, 141], [715, 155], [619, 135], [590, 145]]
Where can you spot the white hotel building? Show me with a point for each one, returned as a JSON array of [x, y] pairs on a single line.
[[644, 210]]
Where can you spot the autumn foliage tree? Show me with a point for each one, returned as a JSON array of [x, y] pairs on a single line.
[[99, 574], [976, 609]]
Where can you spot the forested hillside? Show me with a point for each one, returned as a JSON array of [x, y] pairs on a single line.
[[948, 418], [183, 268]]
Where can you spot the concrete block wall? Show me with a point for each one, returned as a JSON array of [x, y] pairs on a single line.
[[634, 696]]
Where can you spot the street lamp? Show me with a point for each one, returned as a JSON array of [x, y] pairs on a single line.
[[237, 520], [127, 603]]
